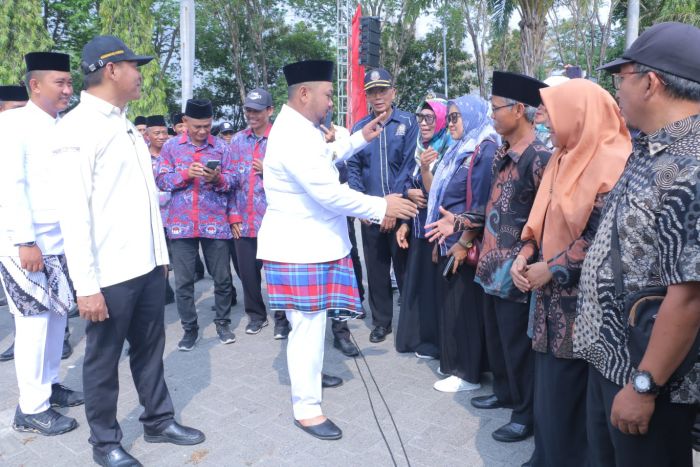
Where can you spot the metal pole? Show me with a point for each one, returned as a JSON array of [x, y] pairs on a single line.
[[444, 46], [632, 22], [187, 34]]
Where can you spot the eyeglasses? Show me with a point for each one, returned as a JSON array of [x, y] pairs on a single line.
[[454, 117], [494, 109], [428, 118], [617, 78]]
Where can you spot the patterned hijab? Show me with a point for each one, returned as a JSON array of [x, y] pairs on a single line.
[[441, 138], [593, 147], [477, 127]]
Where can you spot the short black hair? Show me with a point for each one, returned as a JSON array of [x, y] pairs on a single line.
[[93, 79], [676, 87]]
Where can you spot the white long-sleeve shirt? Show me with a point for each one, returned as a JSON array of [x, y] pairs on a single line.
[[305, 220], [110, 216], [30, 211]]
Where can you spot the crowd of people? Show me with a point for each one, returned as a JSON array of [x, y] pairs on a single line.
[[548, 235]]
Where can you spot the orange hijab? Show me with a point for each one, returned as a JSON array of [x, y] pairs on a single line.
[[593, 147]]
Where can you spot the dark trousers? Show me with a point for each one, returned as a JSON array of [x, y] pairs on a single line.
[[249, 271], [668, 443], [216, 255], [510, 355], [340, 329], [355, 255], [136, 313], [560, 412], [381, 250]]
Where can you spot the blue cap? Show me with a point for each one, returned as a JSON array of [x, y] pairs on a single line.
[[378, 78]]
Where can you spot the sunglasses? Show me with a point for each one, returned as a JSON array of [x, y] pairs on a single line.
[[428, 118], [454, 117]]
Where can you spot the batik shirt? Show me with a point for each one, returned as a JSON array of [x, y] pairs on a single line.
[[515, 180], [656, 205], [163, 196], [246, 203], [197, 208]]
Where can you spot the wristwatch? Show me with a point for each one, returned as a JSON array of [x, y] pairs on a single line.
[[30, 244], [643, 382]]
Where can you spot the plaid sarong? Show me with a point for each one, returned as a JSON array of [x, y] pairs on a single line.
[[315, 287], [33, 293]]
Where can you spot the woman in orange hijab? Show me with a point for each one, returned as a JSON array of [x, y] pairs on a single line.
[[592, 145]]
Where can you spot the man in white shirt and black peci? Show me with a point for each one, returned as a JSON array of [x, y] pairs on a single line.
[[116, 250]]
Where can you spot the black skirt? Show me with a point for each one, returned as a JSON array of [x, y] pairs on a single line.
[[418, 329], [461, 325]]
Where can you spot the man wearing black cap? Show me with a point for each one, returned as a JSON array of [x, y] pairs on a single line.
[[380, 169], [157, 133], [12, 97], [246, 208], [641, 404], [178, 123], [116, 250], [140, 124], [303, 239], [226, 131], [196, 169], [32, 261]]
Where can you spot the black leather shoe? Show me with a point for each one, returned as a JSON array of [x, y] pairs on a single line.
[[512, 432], [378, 334], [117, 457], [328, 381], [67, 349], [8, 354], [325, 431], [487, 402], [175, 434], [73, 312], [344, 345]]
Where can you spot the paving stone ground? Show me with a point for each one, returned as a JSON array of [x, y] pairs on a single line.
[[239, 396]]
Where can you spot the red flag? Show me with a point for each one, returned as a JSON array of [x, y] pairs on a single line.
[[356, 84]]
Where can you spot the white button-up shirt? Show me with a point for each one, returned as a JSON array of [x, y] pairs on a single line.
[[305, 221], [29, 207], [110, 215]]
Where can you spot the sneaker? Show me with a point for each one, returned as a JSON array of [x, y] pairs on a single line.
[[281, 331], [225, 334], [424, 356], [188, 341], [61, 396], [47, 423], [254, 327], [455, 384]]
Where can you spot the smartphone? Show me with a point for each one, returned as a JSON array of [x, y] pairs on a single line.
[[213, 164], [328, 119], [447, 273]]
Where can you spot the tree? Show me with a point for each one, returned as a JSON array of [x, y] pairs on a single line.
[[478, 26], [132, 22], [22, 30]]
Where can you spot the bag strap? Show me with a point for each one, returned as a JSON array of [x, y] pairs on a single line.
[[469, 177]]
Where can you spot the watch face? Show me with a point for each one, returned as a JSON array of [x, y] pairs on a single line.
[[642, 382]]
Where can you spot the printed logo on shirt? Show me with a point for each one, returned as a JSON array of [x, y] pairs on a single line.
[[175, 230], [211, 230], [401, 130]]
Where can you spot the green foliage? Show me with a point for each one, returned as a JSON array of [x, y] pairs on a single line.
[[21, 31], [132, 22]]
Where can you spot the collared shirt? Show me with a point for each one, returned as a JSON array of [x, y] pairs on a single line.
[[655, 205], [384, 165], [110, 216], [31, 210], [164, 197], [514, 184], [197, 208], [247, 202], [305, 221]]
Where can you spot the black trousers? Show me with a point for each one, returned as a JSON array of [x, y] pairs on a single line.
[[381, 250], [668, 443], [560, 412], [136, 313], [510, 355], [249, 271], [461, 325], [355, 255], [216, 254]]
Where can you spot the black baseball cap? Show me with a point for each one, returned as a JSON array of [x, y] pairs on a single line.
[[104, 49], [670, 47], [258, 99], [226, 127]]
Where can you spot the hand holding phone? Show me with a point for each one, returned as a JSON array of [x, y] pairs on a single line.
[[213, 164], [448, 272]]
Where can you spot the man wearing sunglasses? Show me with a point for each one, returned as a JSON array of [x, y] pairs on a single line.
[[382, 168]]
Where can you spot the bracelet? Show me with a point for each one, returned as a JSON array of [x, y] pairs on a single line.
[[464, 244]]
